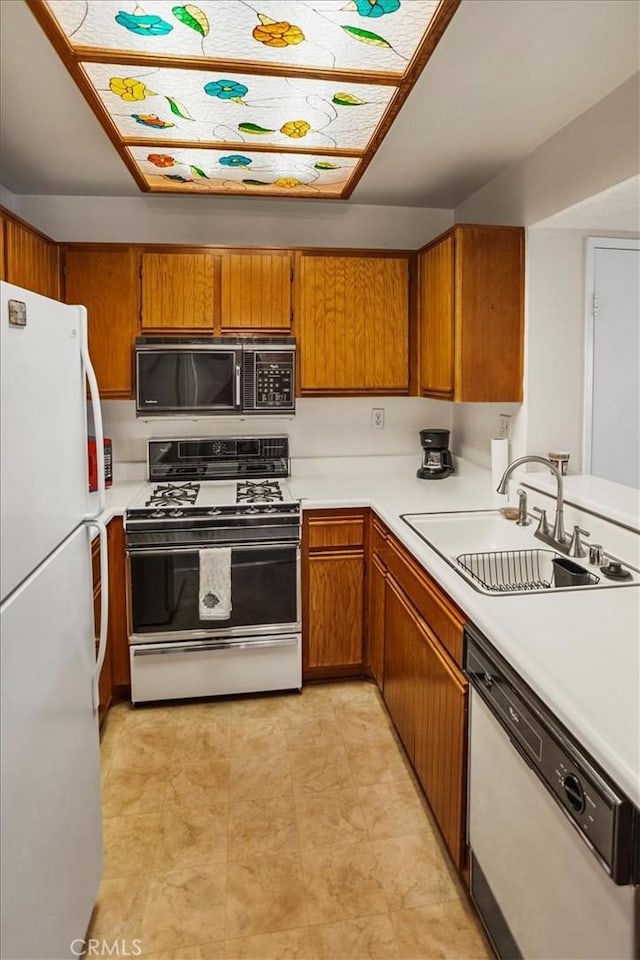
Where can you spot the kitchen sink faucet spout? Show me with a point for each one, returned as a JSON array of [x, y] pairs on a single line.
[[557, 538]]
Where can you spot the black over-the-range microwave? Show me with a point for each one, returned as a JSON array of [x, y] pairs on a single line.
[[207, 376]]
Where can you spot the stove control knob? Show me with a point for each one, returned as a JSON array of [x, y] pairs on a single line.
[[573, 792], [157, 514], [253, 510], [214, 512], [177, 513], [269, 509]]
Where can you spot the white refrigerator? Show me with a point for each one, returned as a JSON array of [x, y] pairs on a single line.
[[51, 834]]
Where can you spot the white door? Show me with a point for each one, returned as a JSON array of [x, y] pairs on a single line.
[[43, 481], [51, 835], [613, 365]]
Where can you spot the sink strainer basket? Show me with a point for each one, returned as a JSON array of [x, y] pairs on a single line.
[[511, 571]]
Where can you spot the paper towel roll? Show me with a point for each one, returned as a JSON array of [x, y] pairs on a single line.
[[499, 460]]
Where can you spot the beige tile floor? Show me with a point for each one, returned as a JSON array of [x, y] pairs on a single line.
[[286, 826]]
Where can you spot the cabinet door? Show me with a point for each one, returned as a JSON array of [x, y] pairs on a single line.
[[401, 648], [256, 291], [437, 320], [107, 283], [352, 324], [180, 291], [32, 261], [375, 631], [440, 744], [335, 585], [118, 631]]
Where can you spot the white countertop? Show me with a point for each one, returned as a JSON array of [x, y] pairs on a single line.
[[579, 653]]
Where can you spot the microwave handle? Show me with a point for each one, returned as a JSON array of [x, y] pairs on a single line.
[[238, 398]]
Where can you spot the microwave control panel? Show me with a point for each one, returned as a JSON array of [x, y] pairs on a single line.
[[274, 384]]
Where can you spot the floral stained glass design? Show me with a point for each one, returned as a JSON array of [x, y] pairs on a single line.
[[300, 91]]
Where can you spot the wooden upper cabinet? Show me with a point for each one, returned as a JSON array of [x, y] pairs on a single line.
[[471, 314], [352, 324], [180, 292], [255, 290], [32, 261], [437, 302], [107, 283]]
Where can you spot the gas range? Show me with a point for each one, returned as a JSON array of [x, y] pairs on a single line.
[[215, 483]]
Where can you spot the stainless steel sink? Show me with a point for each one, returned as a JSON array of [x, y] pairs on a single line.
[[498, 558]]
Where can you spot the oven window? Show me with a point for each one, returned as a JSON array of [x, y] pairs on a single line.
[[195, 380], [165, 590]]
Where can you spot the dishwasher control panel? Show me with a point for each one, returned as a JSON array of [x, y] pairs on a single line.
[[603, 816]]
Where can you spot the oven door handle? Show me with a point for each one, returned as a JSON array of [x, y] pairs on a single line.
[[256, 545], [227, 646]]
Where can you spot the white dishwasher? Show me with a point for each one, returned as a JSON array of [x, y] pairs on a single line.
[[554, 843]]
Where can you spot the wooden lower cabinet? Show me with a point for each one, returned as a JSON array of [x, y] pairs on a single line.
[[374, 657], [414, 652], [333, 574], [105, 685], [118, 632]]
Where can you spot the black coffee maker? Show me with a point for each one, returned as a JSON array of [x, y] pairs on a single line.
[[436, 457]]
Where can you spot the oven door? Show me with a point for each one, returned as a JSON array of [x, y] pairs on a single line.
[[187, 380], [164, 593]]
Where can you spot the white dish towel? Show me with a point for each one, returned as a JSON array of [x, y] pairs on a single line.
[[215, 584]]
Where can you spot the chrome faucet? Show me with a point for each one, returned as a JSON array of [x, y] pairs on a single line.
[[557, 538]]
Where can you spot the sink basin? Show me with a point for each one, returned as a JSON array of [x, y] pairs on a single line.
[[499, 558]]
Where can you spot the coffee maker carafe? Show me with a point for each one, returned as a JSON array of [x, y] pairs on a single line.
[[437, 461]]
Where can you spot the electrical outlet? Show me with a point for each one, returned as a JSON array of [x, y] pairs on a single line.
[[377, 418], [504, 426]]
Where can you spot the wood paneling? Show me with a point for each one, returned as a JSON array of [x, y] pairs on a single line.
[[335, 611], [401, 649], [118, 633], [440, 739], [108, 284], [377, 575], [180, 291], [256, 290], [437, 310], [489, 313], [347, 532], [427, 699], [352, 320], [472, 314], [32, 261]]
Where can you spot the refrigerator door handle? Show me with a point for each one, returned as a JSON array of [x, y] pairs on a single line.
[[104, 608], [94, 394]]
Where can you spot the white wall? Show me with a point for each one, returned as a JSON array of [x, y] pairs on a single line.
[[321, 427], [597, 150], [265, 222]]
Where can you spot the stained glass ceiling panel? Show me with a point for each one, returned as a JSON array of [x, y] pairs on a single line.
[[246, 172], [280, 97], [203, 106], [379, 36]]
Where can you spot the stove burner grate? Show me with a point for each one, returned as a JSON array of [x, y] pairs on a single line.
[[252, 491], [173, 495]]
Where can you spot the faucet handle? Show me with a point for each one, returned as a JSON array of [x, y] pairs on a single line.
[[576, 548], [543, 526]]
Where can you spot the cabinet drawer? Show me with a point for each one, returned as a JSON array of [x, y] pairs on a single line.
[[443, 617], [338, 532]]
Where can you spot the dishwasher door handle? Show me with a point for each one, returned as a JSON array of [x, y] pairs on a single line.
[[220, 646]]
